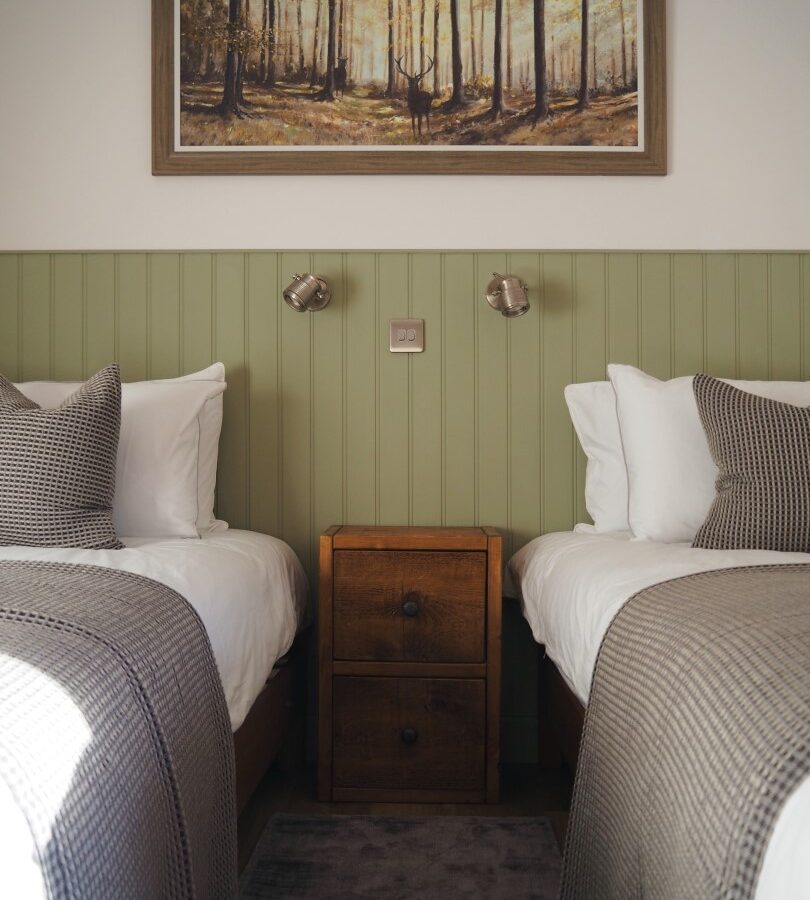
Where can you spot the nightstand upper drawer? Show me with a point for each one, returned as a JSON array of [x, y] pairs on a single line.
[[411, 606]]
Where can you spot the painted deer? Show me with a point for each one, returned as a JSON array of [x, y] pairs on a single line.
[[418, 100]]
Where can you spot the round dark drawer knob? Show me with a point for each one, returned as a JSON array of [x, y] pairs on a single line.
[[409, 735], [410, 607]]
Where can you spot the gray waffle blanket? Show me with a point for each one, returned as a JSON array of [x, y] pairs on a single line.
[[116, 753], [697, 731]]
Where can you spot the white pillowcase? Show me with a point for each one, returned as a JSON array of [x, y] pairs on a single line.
[[592, 407], [167, 451], [670, 470]]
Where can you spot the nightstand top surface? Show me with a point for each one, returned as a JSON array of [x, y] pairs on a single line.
[[409, 537]]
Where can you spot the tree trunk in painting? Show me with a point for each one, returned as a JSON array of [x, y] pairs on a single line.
[[270, 77], [229, 104], [508, 45], [313, 78], [328, 92], [593, 59], [409, 33], [422, 36], [437, 82], [390, 89], [498, 107], [540, 102], [262, 55], [624, 43], [301, 64], [341, 29], [457, 98], [583, 60], [481, 40], [473, 54]]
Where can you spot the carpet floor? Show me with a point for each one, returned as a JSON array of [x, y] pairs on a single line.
[[342, 857]]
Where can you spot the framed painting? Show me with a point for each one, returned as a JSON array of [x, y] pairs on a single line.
[[409, 86]]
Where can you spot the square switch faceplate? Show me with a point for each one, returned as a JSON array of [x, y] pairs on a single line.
[[407, 336]]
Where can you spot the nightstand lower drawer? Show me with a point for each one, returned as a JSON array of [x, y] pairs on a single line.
[[409, 734]]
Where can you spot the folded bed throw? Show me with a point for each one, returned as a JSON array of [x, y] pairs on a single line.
[[116, 754], [697, 731]]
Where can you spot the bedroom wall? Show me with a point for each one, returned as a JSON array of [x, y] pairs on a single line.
[[75, 154], [323, 425]]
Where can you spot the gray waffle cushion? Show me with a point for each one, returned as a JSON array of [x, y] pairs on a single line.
[[762, 450], [57, 466]]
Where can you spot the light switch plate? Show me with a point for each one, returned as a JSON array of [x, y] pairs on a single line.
[[407, 335]]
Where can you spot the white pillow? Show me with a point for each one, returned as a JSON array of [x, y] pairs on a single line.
[[592, 407], [670, 470], [167, 451]]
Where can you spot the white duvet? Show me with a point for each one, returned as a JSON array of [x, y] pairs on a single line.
[[249, 589], [572, 584]]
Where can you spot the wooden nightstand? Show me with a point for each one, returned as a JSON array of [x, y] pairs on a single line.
[[409, 664]]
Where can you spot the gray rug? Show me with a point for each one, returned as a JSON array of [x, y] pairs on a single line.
[[342, 857]]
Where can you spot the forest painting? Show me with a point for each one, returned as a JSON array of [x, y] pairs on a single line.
[[409, 74]]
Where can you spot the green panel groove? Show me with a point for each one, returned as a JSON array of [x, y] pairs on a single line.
[[323, 425]]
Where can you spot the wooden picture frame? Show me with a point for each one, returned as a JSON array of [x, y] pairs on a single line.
[[168, 158]]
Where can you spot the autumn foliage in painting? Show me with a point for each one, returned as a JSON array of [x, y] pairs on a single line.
[[409, 72]]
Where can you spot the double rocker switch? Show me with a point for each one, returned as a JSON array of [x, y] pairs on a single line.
[[407, 335]]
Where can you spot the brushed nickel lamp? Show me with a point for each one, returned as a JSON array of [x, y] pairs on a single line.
[[508, 294], [307, 293]]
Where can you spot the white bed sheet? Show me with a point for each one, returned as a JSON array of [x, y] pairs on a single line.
[[249, 589], [572, 584]]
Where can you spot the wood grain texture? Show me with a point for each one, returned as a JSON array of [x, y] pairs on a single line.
[[167, 160], [446, 715], [409, 606]]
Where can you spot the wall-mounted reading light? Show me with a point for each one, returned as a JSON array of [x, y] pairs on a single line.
[[307, 293], [508, 294]]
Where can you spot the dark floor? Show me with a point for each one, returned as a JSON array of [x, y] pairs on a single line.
[[525, 791]]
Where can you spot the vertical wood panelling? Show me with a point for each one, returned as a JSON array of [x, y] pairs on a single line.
[[458, 345], [67, 317], [263, 383], [623, 308], [360, 378], [133, 315], [296, 417], [590, 337], [721, 315], [426, 393], [753, 323], [196, 328], [328, 408], [393, 407], [164, 315], [557, 354], [36, 316], [785, 318], [9, 315], [524, 361], [229, 347], [323, 425], [656, 314], [687, 314], [492, 410]]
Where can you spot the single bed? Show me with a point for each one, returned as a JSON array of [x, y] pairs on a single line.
[[571, 586], [251, 593]]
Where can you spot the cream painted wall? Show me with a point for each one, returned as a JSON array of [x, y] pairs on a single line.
[[75, 157]]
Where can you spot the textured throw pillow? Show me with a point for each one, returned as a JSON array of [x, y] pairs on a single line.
[[57, 466], [762, 451]]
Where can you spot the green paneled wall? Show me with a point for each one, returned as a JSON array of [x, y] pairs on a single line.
[[324, 425]]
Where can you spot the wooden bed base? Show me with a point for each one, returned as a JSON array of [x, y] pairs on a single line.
[[560, 717], [268, 724]]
